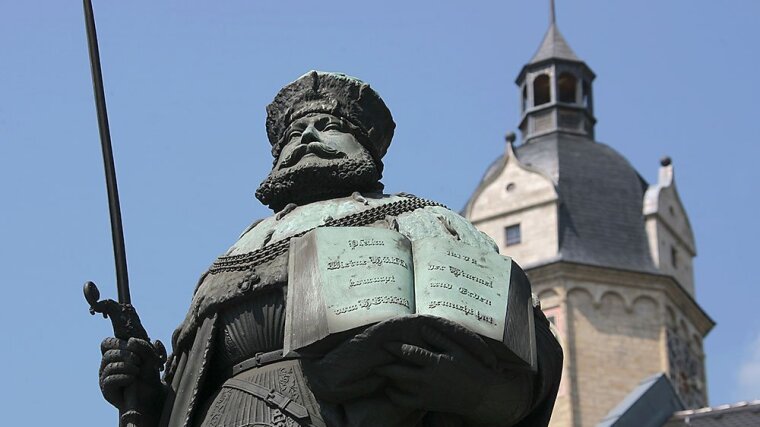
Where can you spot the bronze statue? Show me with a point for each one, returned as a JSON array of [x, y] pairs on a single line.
[[329, 133]]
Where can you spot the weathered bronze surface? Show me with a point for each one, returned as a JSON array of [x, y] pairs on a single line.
[[328, 133]]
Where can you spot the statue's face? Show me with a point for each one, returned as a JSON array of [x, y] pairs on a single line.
[[317, 139], [321, 159]]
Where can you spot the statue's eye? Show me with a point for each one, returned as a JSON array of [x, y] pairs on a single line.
[[332, 126], [294, 134]]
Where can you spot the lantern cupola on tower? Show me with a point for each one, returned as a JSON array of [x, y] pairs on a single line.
[[555, 88]]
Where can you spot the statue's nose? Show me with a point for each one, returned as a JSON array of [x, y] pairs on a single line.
[[310, 134]]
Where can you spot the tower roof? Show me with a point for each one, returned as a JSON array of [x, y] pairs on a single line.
[[600, 201], [554, 46], [601, 194], [599, 217]]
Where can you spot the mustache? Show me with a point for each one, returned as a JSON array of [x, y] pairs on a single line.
[[315, 147]]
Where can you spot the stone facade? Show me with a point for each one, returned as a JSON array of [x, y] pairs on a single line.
[[614, 327], [671, 240], [518, 195]]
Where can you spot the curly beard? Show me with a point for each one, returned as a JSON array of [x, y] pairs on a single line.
[[311, 182]]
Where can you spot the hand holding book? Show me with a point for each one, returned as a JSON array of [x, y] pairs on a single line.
[[417, 364], [344, 279]]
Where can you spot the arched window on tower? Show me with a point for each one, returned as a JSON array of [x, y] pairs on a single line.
[[586, 95], [524, 102], [541, 90], [567, 87]]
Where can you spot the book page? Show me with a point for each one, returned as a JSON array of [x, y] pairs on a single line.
[[367, 275], [462, 283]]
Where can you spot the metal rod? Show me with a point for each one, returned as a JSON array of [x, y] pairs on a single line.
[[552, 13], [117, 231]]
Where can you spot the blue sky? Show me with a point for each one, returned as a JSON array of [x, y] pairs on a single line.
[[187, 83]]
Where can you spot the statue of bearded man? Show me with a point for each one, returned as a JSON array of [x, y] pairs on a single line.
[[329, 133]]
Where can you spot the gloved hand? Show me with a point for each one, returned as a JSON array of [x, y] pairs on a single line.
[[132, 363], [441, 375]]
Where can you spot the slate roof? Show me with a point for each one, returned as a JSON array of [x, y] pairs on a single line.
[[554, 46], [601, 201], [742, 414], [650, 404]]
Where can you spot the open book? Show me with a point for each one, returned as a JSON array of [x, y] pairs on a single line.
[[343, 278]]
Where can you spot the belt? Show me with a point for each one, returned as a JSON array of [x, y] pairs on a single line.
[[260, 359], [271, 397]]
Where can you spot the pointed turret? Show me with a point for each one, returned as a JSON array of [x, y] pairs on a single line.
[[556, 89], [554, 44]]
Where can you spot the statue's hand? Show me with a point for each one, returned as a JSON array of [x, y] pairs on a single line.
[[440, 375], [345, 373], [132, 363]]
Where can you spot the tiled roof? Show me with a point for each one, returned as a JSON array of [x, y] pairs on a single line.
[[742, 414], [649, 405]]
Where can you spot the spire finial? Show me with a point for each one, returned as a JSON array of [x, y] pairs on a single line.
[[552, 14]]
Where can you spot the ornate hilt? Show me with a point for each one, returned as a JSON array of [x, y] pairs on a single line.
[[126, 324]]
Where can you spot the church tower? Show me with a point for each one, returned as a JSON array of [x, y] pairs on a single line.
[[609, 255]]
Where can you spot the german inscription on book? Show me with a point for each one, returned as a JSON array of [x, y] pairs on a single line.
[[346, 277]]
